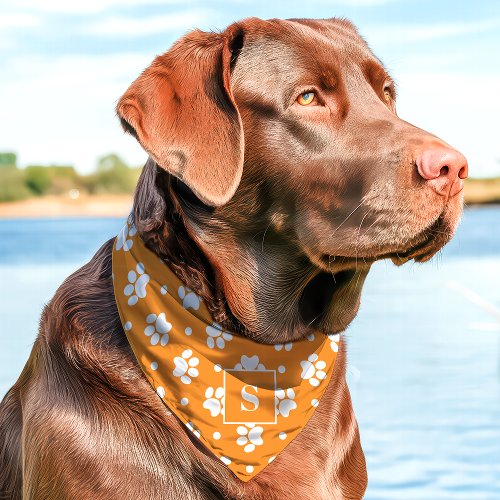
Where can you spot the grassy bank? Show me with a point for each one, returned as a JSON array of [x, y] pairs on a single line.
[[98, 205], [482, 191]]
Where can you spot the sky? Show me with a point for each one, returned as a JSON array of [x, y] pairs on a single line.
[[65, 63]]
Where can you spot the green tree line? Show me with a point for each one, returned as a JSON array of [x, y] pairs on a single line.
[[112, 175]]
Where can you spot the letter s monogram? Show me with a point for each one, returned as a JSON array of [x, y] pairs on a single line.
[[251, 398]]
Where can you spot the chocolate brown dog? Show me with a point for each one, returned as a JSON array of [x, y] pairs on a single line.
[[278, 173]]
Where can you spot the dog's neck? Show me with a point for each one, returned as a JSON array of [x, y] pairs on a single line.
[[224, 267]]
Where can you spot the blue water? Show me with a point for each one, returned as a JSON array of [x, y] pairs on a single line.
[[424, 354]]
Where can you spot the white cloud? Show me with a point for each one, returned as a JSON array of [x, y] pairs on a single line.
[[355, 3], [13, 24], [148, 26], [387, 34], [15, 20], [361, 3], [460, 109], [85, 6]]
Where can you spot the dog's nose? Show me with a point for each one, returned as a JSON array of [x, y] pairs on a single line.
[[443, 168]]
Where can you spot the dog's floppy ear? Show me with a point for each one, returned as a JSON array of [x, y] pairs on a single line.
[[182, 112]]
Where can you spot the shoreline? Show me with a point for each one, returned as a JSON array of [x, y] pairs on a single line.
[[106, 205]]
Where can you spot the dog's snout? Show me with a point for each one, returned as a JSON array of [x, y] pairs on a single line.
[[443, 168]]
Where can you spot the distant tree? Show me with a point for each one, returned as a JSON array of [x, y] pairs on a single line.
[[113, 175], [38, 179], [8, 160], [63, 178], [111, 162], [12, 184], [66, 171]]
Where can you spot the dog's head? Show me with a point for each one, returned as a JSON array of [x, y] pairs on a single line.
[[293, 171]]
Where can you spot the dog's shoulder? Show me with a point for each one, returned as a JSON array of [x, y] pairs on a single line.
[[81, 326], [84, 301]]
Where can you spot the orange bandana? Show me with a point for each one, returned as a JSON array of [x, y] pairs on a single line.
[[243, 400]]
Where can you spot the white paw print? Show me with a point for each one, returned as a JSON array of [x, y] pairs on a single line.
[[214, 401], [158, 328], [334, 341], [189, 298], [288, 346], [216, 337], [250, 436], [249, 363], [123, 239], [137, 281], [312, 370], [185, 366], [286, 402]]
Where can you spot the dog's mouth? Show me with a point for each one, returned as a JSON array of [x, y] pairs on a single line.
[[425, 245], [420, 248]]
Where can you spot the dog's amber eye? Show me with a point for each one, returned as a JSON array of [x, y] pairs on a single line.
[[387, 95], [306, 98]]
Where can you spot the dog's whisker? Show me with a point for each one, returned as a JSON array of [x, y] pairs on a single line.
[[357, 237], [345, 220], [357, 281], [313, 320], [330, 267]]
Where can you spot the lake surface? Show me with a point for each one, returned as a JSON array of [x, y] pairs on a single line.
[[424, 353]]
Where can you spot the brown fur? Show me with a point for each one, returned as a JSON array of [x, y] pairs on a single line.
[[271, 212]]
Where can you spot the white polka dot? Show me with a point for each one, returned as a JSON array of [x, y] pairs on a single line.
[[164, 289], [188, 330], [127, 326], [310, 337], [270, 460], [226, 460], [282, 435], [184, 401], [216, 435], [249, 468], [314, 402], [161, 391], [154, 365], [217, 368], [281, 369]]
